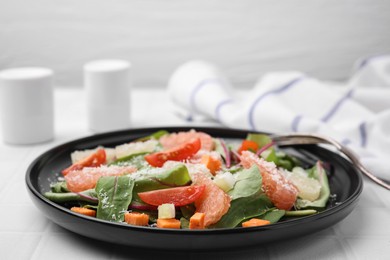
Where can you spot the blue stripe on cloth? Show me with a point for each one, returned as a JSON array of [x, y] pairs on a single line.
[[265, 95], [337, 106], [197, 88], [363, 63], [346, 141], [221, 104], [363, 134], [295, 123], [189, 118], [367, 60]]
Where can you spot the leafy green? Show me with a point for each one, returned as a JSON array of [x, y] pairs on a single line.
[[137, 160], [176, 176], [184, 223], [300, 213], [156, 135], [218, 147], [188, 210], [87, 196], [59, 187], [281, 159], [260, 139], [88, 206], [248, 183], [244, 208], [225, 151], [114, 193], [273, 215], [318, 173]]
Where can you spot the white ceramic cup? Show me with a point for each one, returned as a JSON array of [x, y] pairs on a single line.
[[107, 84], [26, 105]]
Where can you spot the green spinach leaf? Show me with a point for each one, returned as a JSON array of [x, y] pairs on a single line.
[[281, 159], [244, 208], [86, 196], [248, 183], [273, 215], [176, 176], [114, 193]]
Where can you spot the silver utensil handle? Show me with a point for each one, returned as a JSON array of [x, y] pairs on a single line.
[[299, 139]]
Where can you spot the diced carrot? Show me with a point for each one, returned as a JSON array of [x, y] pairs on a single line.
[[212, 163], [197, 221], [84, 211], [255, 222], [248, 145], [168, 223], [136, 218]]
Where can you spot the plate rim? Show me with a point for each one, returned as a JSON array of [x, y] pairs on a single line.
[[327, 212]]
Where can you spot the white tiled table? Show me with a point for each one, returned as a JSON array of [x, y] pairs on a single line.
[[26, 234]]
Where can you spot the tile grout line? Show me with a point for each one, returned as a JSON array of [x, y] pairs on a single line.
[[18, 168], [350, 253], [42, 241]]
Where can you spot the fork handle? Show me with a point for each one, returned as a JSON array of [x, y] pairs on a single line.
[[299, 139]]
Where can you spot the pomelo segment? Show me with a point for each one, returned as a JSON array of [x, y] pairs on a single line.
[[175, 139], [80, 180], [281, 192], [214, 202], [308, 188]]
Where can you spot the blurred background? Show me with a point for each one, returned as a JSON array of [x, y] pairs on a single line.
[[245, 38]]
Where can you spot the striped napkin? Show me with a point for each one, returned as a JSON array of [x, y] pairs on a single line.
[[355, 112]]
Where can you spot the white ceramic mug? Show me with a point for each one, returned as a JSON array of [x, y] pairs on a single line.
[[26, 105], [107, 85]]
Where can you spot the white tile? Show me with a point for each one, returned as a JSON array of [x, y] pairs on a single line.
[[71, 246], [125, 252], [366, 222], [13, 153], [382, 194], [370, 198], [18, 245], [15, 193], [311, 247], [7, 171], [55, 228], [329, 231], [22, 218], [19, 173], [370, 248], [255, 252]]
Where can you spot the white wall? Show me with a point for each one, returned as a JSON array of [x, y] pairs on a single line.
[[246, 38]]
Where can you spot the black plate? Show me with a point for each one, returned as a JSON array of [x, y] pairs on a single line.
[[344, 179]]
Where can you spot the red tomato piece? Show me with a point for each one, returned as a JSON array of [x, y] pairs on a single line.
[[179, 196], [178, 153], [94, 160], [248, 145]]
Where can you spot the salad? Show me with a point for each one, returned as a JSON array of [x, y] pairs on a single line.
[[191, 180]]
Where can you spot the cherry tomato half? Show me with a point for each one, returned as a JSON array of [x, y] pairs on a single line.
[[178, 153], [93, 160], [179, 196]]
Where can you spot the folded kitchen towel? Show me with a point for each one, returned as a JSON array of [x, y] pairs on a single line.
[[355, 112]]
